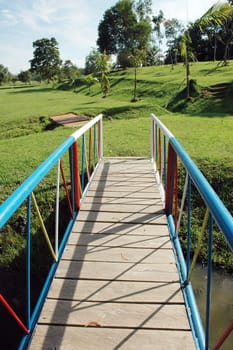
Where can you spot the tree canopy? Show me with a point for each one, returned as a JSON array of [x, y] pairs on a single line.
[[125, 27], [46, 58], [4, 74]]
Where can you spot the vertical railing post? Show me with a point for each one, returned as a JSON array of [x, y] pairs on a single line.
[[209, 280], [57, 207], [152, 141], [164, 161], [28, 262], [76, 176], [83, 161], [90, 152], [71, 159], [188, 228], [100, 138], [160, 155], [94, 151], [156, 146], [171, 171]]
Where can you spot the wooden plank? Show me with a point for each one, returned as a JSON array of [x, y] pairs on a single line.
[[122, 208], [119, 228], [128, 186], [122, 255], [74, 313], [137, 218], [127, 189], [124, 194], [132, 241], [134, 179], [140, 201], [116, 291], [92, 338], [117, 271]]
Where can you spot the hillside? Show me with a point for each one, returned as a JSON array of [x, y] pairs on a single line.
[[203, 125]]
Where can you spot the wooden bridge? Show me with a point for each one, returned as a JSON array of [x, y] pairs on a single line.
[[118, 277], [117, 285]]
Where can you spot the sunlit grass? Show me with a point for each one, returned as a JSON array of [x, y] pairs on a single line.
[[25, 111]]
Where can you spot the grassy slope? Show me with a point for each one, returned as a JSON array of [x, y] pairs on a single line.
[[25, 111]]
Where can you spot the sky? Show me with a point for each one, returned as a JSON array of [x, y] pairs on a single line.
[[74, 24]]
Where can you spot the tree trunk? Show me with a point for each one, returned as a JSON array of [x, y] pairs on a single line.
[[226, 53], [215, 46], [187, 77], [135, 83]]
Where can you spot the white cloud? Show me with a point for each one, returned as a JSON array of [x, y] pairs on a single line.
[[44, 10], [8, 17], [184, 10], [73, 23]]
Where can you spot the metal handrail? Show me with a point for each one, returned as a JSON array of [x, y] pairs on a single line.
[[216, 211], [25, 193]]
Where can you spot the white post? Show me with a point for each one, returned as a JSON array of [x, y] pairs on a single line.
[[57, 209], [101, 138], [152, 141]]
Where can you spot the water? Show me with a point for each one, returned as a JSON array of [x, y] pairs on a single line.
[[221, 302]]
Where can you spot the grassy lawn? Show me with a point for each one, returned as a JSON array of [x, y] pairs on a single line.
[[26, 139]]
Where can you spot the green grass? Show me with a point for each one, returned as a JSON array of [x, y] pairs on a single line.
[[26, 138]]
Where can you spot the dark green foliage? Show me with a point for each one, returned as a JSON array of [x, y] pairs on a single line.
[[46, 58], [4, 74], [125, 28], [25, 76], [115, 30]]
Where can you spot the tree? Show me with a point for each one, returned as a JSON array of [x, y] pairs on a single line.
[[185, 52], [46, 61], [89, 81], [105, 68], [4, 74], [173, 29], [25, 76], [143, 9], [124, 27], [115, 30], [153, 57], [216, 15], [219, 17], [93, 62], [158, 21], [69, 71]]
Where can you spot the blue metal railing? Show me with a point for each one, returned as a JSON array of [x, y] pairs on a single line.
[[165, 157], [80, 176]]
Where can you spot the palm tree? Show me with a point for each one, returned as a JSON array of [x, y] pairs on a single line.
[[217, 15], [158, 21]]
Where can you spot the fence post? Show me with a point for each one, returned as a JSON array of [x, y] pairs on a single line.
[[170, 182], [152, 140], [100, 138], [76, 176]]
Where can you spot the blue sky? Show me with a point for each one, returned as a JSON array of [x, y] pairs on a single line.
[[73, 23]]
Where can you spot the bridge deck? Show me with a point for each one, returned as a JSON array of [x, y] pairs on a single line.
[[117, 286]]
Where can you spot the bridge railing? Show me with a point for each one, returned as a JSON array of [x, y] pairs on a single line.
[[170, 159], [64, 176]]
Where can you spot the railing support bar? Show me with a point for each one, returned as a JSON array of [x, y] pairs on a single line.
[[28, 262], [209, 280]]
